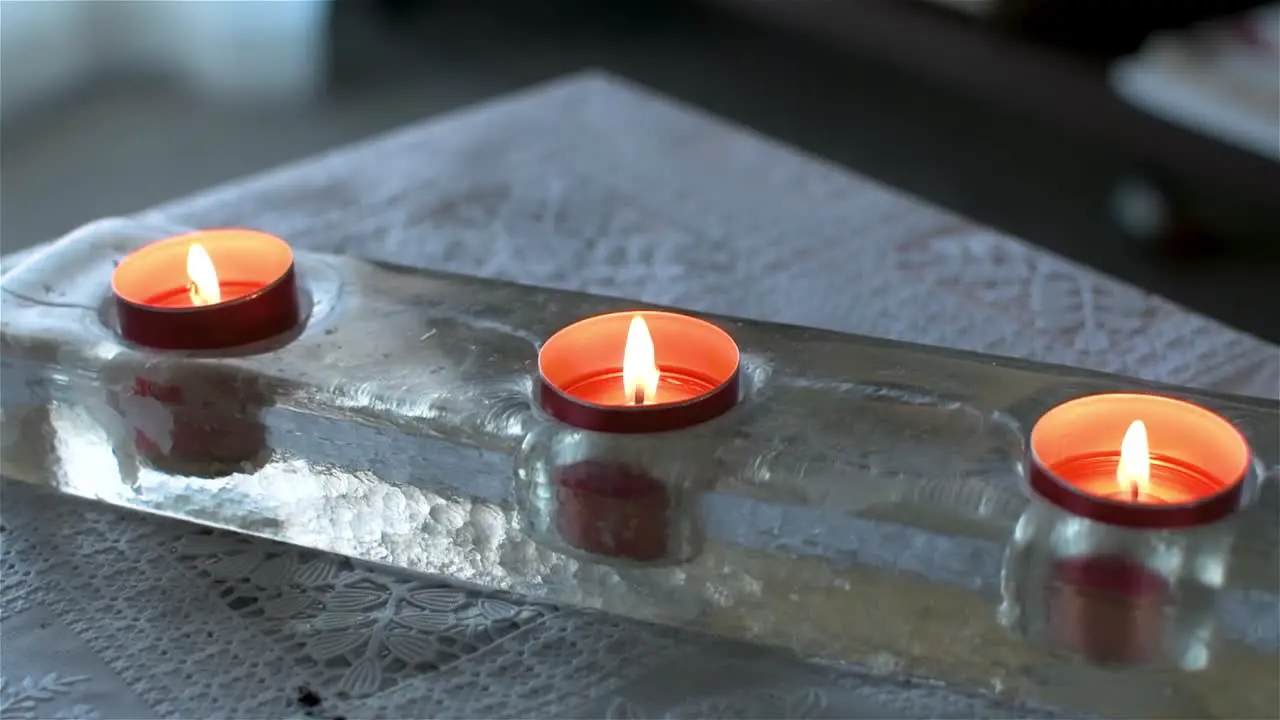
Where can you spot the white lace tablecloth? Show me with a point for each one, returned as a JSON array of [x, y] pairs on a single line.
[[588, 184]]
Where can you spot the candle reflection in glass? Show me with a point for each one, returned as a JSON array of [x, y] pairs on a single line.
[[190, 419]]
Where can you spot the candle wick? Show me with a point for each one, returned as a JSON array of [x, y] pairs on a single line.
[[638, 399], [1133, 492]]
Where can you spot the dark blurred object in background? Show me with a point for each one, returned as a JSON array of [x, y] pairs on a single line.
[[618, 15], [1106, 28], [1186, 191]]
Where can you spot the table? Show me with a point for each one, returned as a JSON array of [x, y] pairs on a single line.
[[587, 183]]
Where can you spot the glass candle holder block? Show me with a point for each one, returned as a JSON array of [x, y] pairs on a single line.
[[854, 501]]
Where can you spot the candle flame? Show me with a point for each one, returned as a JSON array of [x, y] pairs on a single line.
[[1133, 474], [203, 286], [639, 367]]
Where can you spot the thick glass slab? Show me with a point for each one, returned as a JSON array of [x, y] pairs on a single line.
[[863, 503]]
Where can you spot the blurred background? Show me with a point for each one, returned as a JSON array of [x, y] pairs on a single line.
[[1139, 137]]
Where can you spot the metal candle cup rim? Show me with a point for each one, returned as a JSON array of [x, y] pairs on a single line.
[[567, 356], [1226, 461], [270, 310]]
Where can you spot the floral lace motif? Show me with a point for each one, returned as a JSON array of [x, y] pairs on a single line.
[[212, 624], [361, 628], [28, 698]]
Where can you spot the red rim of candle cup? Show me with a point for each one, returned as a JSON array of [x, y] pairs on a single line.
[[1096, 424], [593, 348], [242, 258]]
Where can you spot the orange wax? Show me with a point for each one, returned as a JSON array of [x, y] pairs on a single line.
[[1171, 482], [608, 389], [181, 297], [245, 261]]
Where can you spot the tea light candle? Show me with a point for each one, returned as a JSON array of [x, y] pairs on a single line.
[[1141, 462], [1137, 460], [638, 372], [630, 372], [206, 290]]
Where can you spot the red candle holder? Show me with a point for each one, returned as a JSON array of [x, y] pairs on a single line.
[[258, 298], [580, 373], [1121, 572], [1198, 461], [613, 496]]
